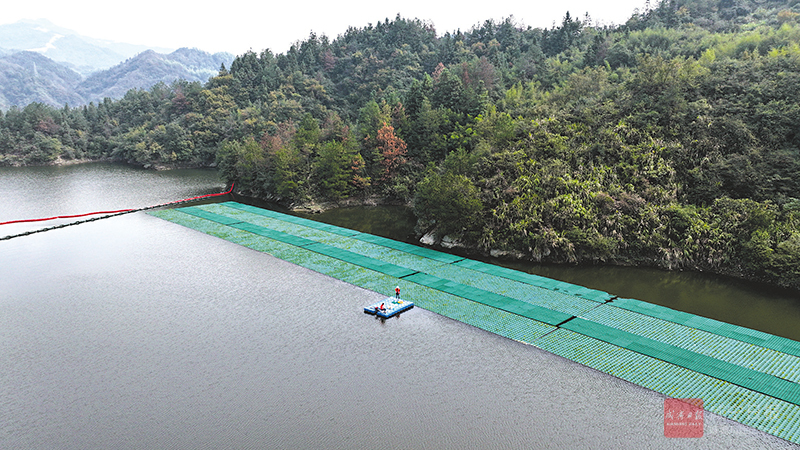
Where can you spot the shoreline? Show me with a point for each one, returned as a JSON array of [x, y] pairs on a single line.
[[445, 244], [60, 162], [448, 245]]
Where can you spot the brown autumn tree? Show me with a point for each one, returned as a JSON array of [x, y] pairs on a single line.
[[393, 150]]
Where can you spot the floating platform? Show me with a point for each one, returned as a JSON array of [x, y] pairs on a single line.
[[388, 307], [745, 375]]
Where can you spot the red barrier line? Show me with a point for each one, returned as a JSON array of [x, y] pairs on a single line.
[[117, 211], [198, 197], [64, 217]]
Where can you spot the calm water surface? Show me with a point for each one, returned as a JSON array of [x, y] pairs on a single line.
[[133, 332]]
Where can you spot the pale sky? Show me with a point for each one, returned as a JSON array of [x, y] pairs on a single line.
[[236, 26]]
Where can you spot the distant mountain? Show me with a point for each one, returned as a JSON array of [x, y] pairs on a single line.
[[27, 76], [83, 54], [148, 68], [42, 62]]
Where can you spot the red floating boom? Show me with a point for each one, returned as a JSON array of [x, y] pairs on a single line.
[[119, 211]]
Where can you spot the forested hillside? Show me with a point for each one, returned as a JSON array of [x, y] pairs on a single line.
[[672, 140]]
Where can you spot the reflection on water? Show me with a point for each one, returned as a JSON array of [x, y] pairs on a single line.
[[394, 222], [751, 305]]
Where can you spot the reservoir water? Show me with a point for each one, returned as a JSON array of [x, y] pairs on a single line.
[[133, 332]]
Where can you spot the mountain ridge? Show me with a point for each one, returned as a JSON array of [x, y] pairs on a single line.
[[42, 62], [149, 68], [27, 77], [81, 53]]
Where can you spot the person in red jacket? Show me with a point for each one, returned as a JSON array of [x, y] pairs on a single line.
[[397, 292]]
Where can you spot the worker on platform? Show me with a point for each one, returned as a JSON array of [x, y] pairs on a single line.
[[397, 292]]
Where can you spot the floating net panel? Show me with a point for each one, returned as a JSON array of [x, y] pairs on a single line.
[[743, 374]]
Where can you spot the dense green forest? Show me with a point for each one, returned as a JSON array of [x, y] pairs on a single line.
[[672, 140]]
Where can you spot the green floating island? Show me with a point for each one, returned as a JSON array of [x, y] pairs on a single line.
[[742, 374]]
